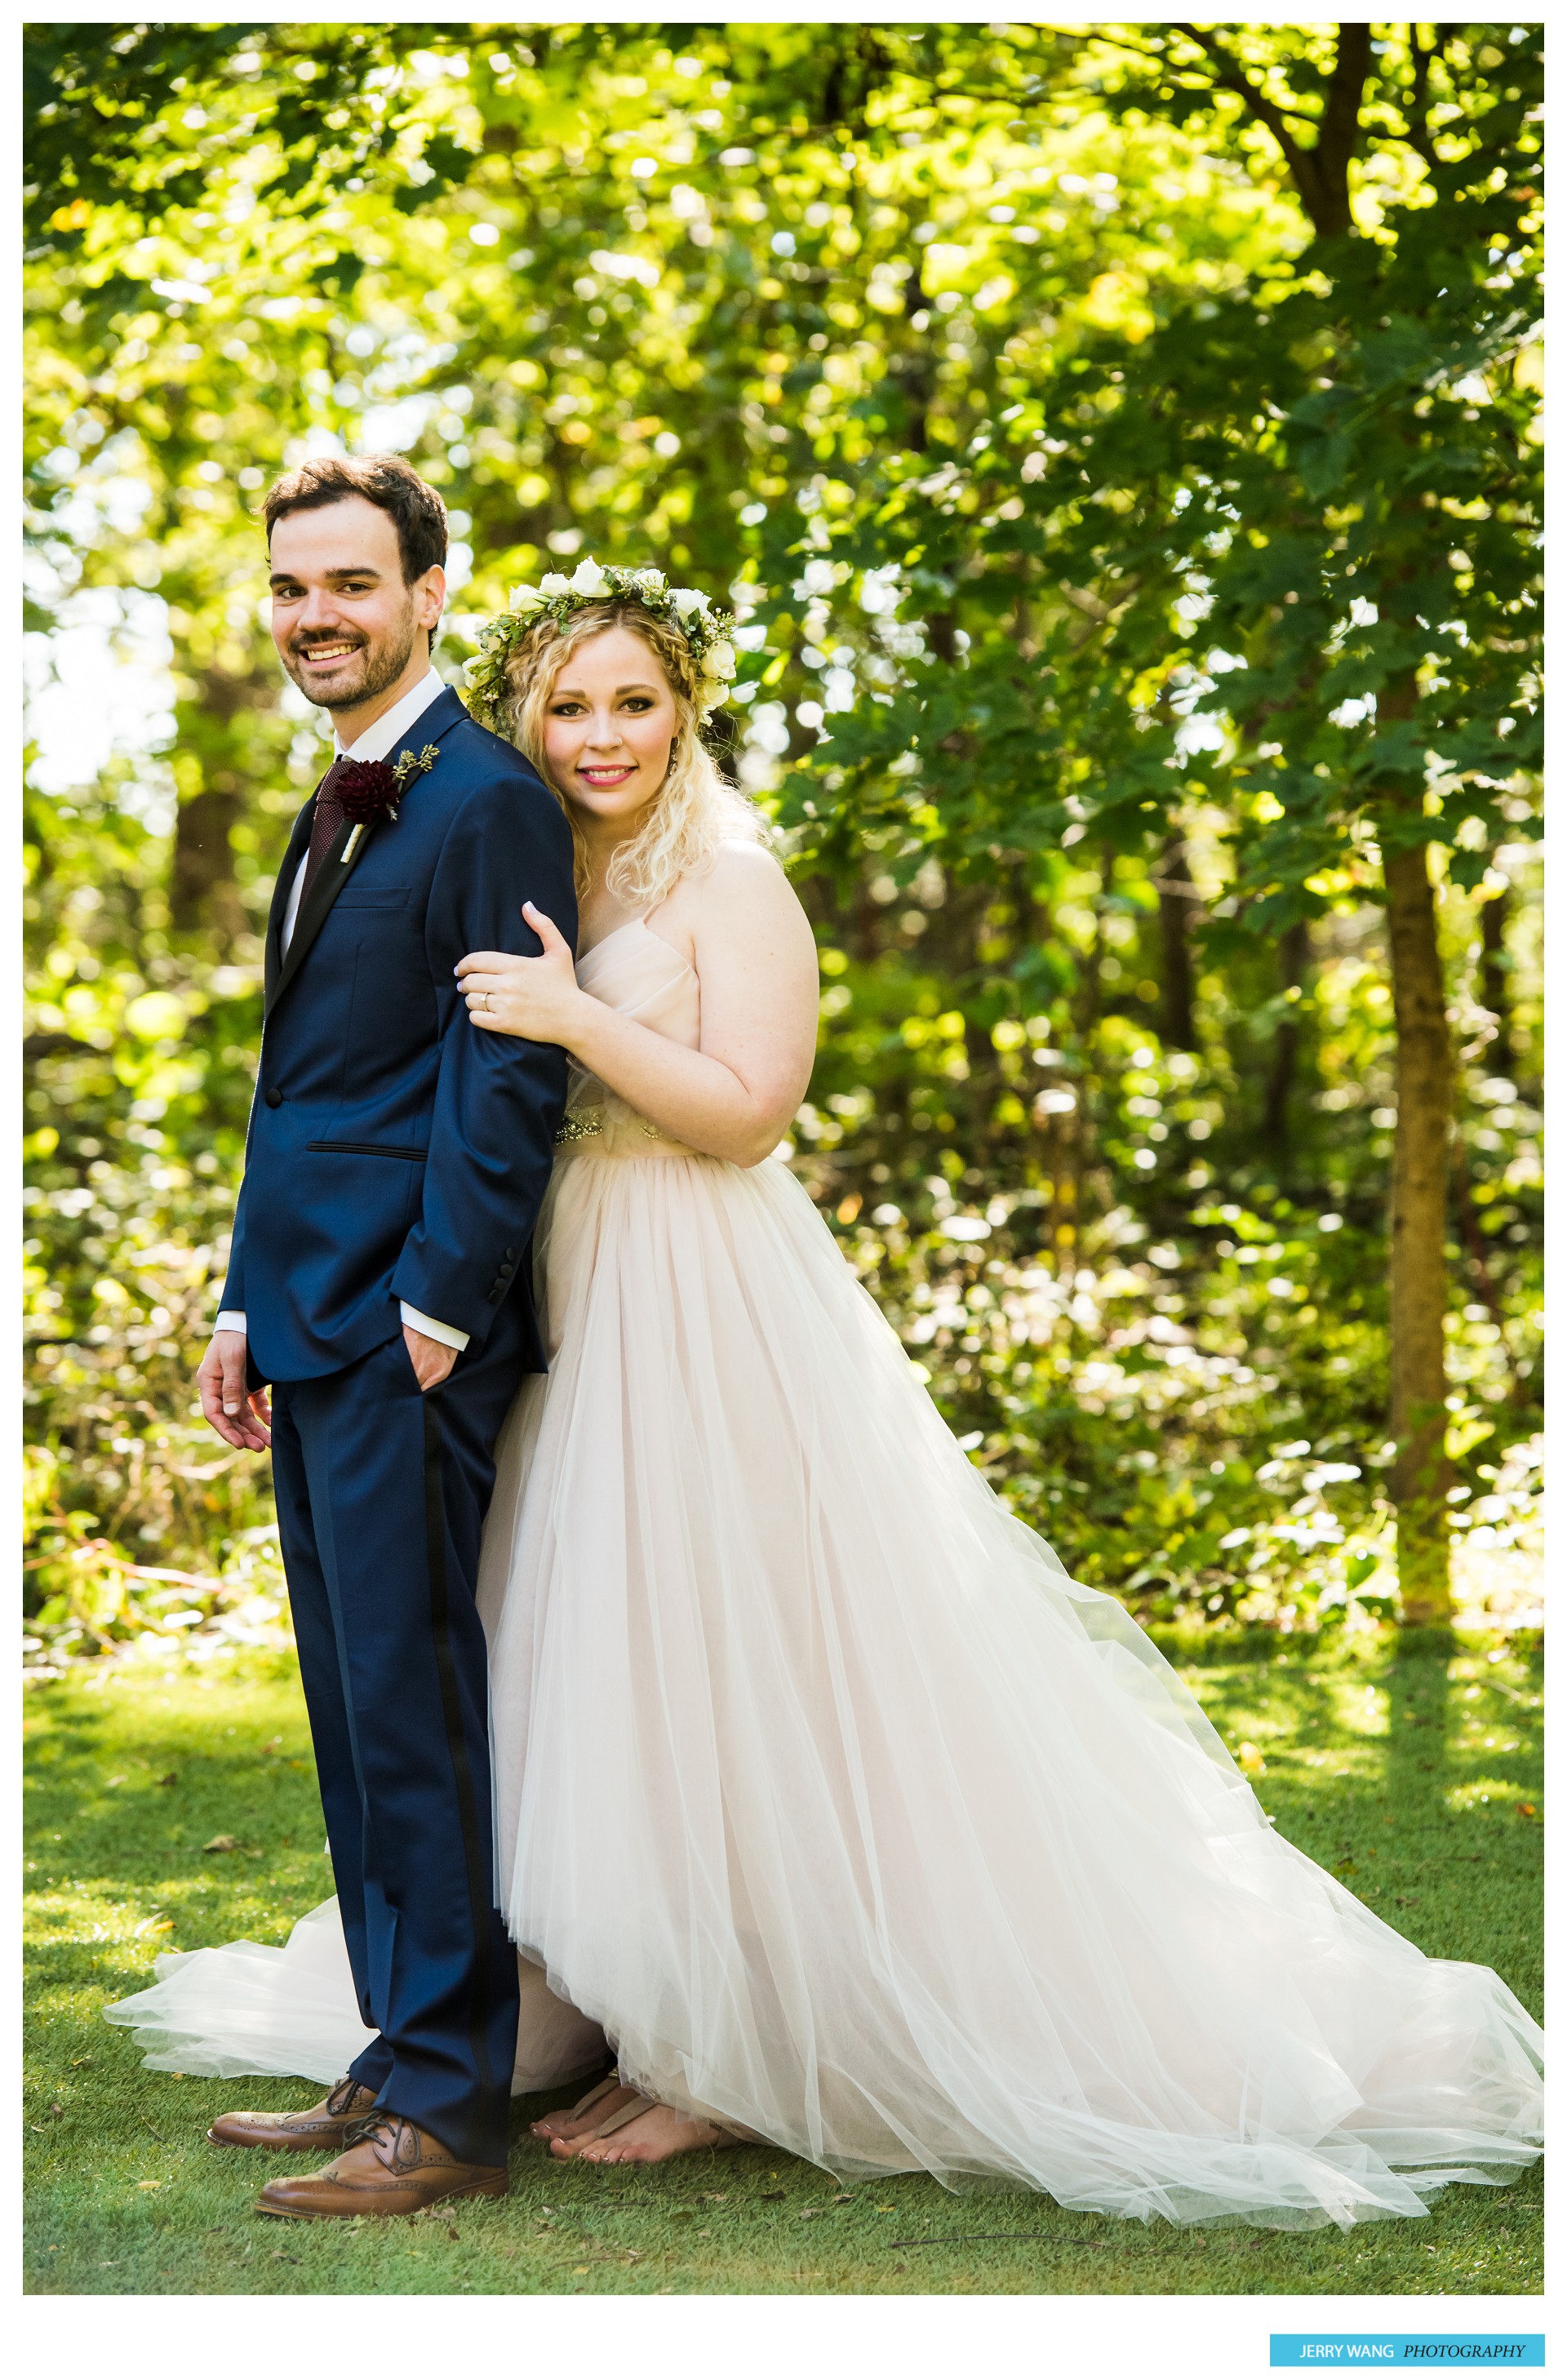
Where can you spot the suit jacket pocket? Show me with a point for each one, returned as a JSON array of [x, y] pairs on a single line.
[[365, 1148]]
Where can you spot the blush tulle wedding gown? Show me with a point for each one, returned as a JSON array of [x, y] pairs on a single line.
[[843, 1810]]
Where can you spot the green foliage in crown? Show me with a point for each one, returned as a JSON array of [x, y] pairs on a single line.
[[704, 629]]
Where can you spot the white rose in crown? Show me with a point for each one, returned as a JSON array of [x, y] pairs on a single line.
[[522, 600], [719, 660], [589, 579], [555, 582], [688, 601]]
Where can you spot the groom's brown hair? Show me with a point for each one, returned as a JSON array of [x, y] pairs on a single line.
[[384, 481]]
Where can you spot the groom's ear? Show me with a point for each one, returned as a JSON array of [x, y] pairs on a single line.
[[431, 600]]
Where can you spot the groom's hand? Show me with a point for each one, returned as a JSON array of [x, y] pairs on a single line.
[[237, 1416], [432, 1361]]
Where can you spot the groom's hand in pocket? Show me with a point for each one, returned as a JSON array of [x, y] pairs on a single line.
[[432, 1361]]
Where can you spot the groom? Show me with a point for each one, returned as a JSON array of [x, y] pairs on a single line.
[[379, 1281]]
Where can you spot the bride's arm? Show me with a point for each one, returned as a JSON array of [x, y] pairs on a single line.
[[755, 958]]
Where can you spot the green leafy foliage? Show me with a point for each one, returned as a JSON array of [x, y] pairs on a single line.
[[1127, 560]]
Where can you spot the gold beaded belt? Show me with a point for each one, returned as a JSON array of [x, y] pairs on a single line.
[[585, 1128]]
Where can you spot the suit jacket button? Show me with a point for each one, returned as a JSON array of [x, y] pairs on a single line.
[[275, 1099], [506, 1271], [510, 1254]]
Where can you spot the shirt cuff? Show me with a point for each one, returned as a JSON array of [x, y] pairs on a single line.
[[229, 1321], [443, 1331]]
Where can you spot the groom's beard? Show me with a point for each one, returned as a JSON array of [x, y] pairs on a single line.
[[362, 675]]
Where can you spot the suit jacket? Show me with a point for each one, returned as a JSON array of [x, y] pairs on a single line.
[[396, 1151]]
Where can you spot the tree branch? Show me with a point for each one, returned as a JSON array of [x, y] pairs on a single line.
[[1320, 174], [1417, 131], [1195, 80], [1232, 76]]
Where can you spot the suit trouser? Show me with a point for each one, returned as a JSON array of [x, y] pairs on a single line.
[[381, 1495]]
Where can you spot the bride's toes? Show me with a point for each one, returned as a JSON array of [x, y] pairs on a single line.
[[651, 2138], [563, 2125]]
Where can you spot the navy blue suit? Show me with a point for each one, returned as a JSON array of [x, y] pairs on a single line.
[[398, 1153]]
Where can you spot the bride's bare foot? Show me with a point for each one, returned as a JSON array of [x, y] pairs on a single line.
[[563, 2125], [652, 2137]]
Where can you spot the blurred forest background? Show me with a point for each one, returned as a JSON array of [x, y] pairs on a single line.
[[1122, 446]]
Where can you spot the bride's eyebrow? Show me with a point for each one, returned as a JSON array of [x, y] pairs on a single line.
[[574, 693]]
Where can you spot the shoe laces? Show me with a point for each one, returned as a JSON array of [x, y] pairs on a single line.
[[342, 2096], [388, 2132]]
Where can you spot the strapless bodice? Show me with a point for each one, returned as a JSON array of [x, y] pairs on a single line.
[[638, 974]]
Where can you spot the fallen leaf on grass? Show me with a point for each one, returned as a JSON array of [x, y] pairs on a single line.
[[772, 2193], [148, 2185], [172, 1778], [220, 1843]]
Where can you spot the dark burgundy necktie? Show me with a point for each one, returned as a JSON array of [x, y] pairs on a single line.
[[325, 825]]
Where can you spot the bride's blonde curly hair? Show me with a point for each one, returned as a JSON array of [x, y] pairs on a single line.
[[696, 811]]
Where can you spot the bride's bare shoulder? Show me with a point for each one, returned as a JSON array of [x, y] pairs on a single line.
[[743, 887]]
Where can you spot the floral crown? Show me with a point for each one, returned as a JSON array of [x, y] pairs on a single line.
[[706, 631]]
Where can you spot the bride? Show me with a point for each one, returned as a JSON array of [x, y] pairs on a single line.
[[853, 1821]]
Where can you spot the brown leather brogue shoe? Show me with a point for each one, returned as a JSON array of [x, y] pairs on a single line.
[[321, 2127], [387, 2167]]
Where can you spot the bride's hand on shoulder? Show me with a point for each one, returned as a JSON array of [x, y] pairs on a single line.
[[536, 1000]]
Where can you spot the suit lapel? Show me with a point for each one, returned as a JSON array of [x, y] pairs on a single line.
[[445, 712], [298, 844], [316, 906]]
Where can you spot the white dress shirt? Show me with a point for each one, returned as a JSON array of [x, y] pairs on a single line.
[[377, 739]]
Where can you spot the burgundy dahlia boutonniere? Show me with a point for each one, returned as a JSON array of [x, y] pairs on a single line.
[[370, 790]]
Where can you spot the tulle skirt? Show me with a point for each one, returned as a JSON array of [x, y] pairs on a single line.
[[857, 1824], [852, 1820], [249, 2008]]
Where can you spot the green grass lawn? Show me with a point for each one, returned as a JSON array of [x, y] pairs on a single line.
[[1404, 1773]]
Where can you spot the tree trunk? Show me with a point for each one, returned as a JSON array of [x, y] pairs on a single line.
[[1418, 1266], [1176, 894], [1493, 985], [203, 890], [1295, 957]]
